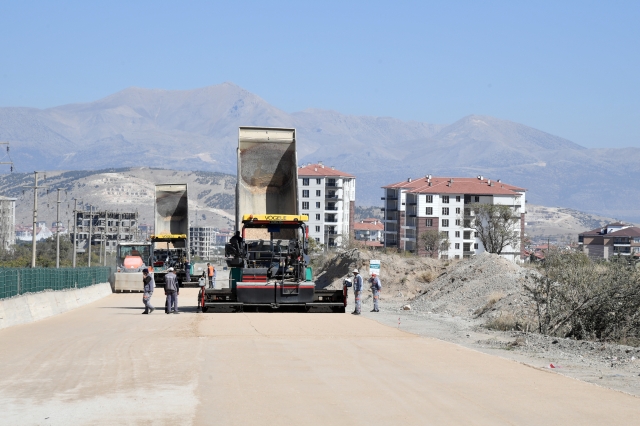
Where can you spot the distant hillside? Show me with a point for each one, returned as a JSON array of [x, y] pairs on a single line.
[[211, 195], [197, 130]]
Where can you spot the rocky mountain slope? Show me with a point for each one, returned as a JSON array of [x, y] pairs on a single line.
[[211, 195], [197, 130]]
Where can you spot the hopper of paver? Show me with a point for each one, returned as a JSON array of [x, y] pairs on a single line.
[[267, 172]]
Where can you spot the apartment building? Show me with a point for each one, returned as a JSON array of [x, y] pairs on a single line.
[[328, 196], [370, 229], [443, 204], [203, 241], [7, 222], [612, 240], [106, 228]]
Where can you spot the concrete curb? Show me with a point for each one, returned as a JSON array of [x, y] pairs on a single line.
[[36, 306]]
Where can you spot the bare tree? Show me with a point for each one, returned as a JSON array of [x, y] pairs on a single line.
[[434, 241], [497, 226]]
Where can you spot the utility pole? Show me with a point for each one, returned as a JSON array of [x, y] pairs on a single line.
[[35, 188], [7, 162], [90, 231], [104, 239], [75, 235], [58, 230]]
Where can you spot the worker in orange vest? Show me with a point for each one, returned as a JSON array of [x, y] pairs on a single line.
[[211, 272]]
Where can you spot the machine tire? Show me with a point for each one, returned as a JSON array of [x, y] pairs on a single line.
[[338, 309], [205, 309]]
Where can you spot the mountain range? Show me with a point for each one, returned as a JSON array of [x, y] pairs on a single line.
[[197, 130]]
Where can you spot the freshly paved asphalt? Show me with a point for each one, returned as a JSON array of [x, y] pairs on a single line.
[[104, 363]]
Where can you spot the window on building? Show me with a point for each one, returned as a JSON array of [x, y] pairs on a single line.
[[445, 199], [457, 210], [305, 181], [429, 211], [475, 234], [457, 222], [429, 199], [475, 246], [457, 198], [317, 229], [331, 182], [466, 246], [445, 211], [305, 205], [445, 223], [318, 217], [467, 223], [444, 256], [457, 246], [476, 199], [318, 193], [428, 222], [467, 235], [305, 193], [317, 240], [318, 205], [444, 234], [318, 181], [457, 234]]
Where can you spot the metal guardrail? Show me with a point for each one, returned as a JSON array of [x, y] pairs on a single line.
[[16, 281]]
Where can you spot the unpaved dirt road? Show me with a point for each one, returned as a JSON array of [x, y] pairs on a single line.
[[107, 364]]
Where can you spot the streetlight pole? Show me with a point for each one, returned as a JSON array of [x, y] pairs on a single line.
[[90, 231], [75, 235], [58, 230]]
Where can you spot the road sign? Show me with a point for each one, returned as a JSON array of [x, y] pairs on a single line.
[[374, 267]]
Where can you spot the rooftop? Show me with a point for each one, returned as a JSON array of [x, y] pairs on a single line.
[[632, 231], [456, 185], [320, 169], [368, 226]]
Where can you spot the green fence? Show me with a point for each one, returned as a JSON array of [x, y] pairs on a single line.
[[15, 281]]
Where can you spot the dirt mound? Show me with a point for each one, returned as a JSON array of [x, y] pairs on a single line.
[[402, 276], [485, 285]]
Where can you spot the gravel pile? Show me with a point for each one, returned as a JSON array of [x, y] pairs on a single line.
[[485, 285]]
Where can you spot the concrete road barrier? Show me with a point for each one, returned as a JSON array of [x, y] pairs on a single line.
[[36, 306]]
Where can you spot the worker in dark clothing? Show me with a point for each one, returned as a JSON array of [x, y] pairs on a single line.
[[172, 290], [187, 271], [149, 285], [376, 286], [357, 291], [236, 241]]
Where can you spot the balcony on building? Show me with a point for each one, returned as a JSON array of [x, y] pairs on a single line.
[[333, 183]]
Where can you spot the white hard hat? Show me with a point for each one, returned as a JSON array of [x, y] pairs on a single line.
[[170, 270], [355, 271]]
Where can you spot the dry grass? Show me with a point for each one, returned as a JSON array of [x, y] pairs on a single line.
[[428, 276], [505, 322], [491, 301]]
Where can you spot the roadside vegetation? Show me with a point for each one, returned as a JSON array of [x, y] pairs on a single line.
[[19, 256], [586, 300]]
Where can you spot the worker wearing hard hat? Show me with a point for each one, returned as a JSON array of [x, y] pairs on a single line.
[[357, 291], [376, 286]]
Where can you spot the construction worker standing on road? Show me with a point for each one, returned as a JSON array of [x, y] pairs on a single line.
[[357, 291], [211, 271], [171, 289], [376, 286], [148, 284]]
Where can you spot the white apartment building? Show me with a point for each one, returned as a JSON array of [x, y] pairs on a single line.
[[328, 196], [203, 241], [442, 203]]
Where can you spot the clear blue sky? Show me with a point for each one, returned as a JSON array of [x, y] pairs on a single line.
[[571, 68]]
